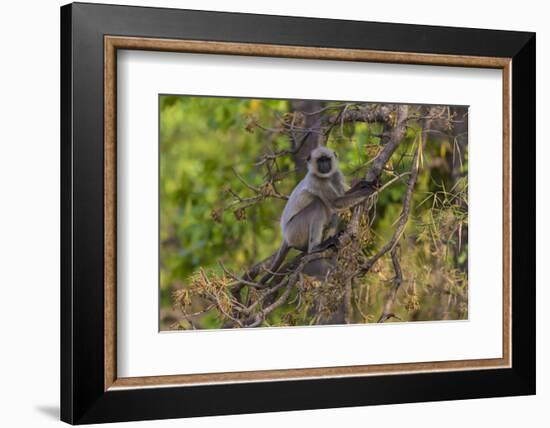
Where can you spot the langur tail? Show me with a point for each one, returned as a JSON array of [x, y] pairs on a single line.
[[277, 262]]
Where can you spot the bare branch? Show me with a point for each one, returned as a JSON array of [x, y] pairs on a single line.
[[397, 280], [403, 218], [259, 318], [396, 137]]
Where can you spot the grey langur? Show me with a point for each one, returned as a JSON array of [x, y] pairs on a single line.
[[310, 215]]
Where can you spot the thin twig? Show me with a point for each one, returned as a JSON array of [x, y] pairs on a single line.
[[397, 280]]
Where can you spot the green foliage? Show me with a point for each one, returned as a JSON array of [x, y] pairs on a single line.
[[201, 141]]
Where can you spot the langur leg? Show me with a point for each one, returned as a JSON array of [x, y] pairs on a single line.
[[332, 228], [295, 236], [317, 228], [330, 235]]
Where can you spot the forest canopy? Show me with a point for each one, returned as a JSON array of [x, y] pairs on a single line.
[[227, 166]]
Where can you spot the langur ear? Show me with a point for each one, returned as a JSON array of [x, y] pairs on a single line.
[[336, 155]]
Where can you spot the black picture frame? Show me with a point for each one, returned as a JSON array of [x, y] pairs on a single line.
[[83, 398]]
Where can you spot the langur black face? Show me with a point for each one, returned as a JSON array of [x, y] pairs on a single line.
[[322, 162]]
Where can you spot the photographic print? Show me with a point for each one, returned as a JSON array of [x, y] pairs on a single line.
[[280, 213]]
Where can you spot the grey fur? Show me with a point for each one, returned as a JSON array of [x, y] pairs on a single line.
[[310, 216], [310, 207]]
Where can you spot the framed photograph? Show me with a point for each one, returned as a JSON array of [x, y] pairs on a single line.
[[265, 213]]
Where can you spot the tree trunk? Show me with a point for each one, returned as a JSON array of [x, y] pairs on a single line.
[[312, 121]]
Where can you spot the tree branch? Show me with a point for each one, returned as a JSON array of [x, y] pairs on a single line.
[[403, 218], [392, 294]]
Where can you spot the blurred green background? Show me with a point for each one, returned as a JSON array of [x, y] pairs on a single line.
[[205, 142]]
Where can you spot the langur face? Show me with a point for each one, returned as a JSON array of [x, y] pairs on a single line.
[[322, 162]]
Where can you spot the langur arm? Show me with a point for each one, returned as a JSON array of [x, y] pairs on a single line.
[[357, 194]]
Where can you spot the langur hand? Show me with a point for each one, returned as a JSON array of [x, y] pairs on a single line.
[[363, 186]]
